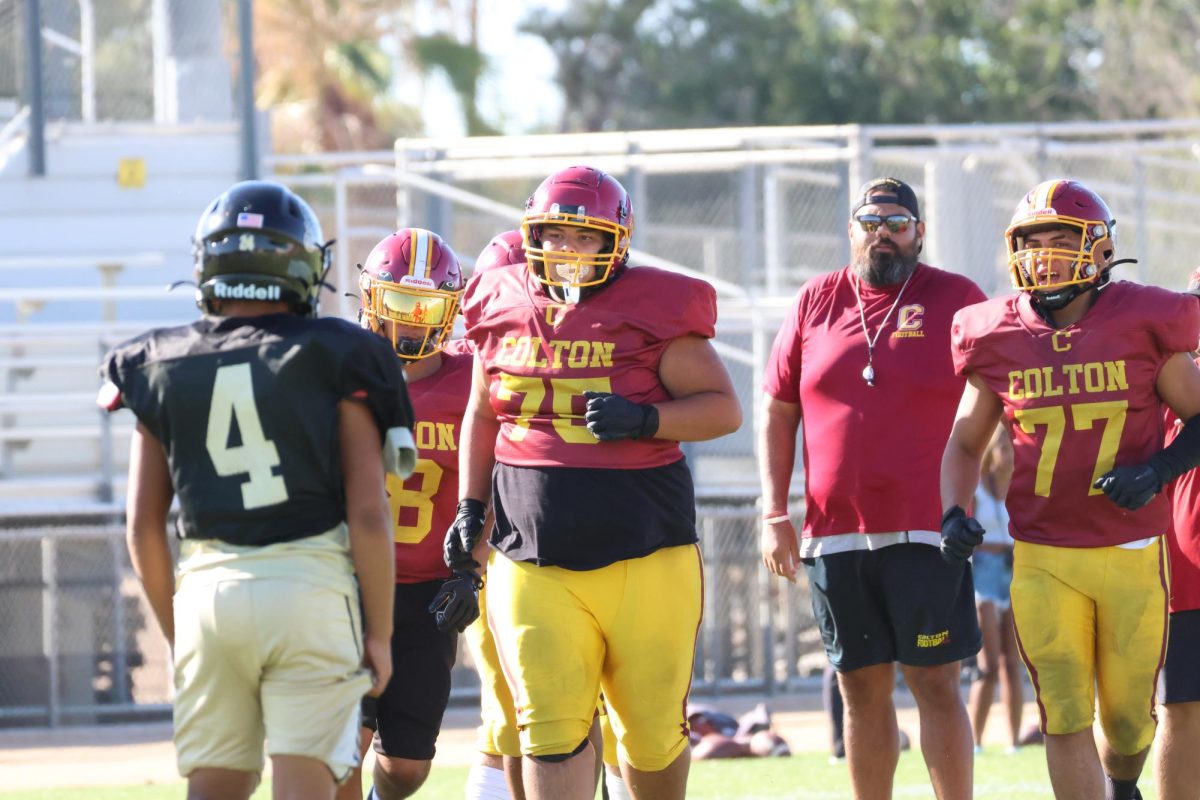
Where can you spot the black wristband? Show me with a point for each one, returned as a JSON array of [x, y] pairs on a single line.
[[649, 422], [471, 575], [471, 506], [953, 512]]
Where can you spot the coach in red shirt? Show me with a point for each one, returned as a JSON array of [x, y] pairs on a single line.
[[863, 358]]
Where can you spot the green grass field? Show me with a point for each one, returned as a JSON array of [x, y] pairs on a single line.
[[808, 776]]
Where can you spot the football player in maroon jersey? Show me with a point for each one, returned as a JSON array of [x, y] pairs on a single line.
[[1078, 366], [411, 284], [589, 373], [858, 345], [1177, 770]]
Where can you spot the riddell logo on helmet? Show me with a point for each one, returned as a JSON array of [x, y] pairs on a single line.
[[247, 291]]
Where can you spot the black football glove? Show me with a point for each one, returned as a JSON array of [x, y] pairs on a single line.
[[456, 605], [1131, 487], [463, 535], [610, 417], [960, 535]]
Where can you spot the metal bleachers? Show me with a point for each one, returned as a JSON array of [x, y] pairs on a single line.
[[60, 455]]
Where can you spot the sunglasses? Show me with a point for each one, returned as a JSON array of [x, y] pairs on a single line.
[[896, 223]]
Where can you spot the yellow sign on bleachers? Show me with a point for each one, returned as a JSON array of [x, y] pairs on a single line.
[[131, 173]]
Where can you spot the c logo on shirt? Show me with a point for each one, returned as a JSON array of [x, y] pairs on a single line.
[[554, 314], [909, 321], [910, 318], [1061, 345]]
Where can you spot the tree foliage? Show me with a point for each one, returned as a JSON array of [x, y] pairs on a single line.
[[325, 65], [322, 67], [685, 63]]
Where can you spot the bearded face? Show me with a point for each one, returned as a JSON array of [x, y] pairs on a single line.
[[881, 260], [882, 257]]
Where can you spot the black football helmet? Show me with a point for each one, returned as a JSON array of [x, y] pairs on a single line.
[[260, 241]]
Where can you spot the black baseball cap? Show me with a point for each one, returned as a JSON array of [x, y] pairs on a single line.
[[888, 190]]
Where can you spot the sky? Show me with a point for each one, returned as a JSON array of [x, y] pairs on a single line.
[[518, 91]]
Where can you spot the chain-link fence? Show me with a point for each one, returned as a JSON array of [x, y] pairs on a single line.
[[123, 60], [80, 644]]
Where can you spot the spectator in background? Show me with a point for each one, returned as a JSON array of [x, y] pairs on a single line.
[[999, 661], [715, 734]]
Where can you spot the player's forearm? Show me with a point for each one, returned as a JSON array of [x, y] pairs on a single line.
[[147, 504], [699, 417], [371, 550], [959, 475], [151, 558], [477, 456], [979, 410], [776, 456]]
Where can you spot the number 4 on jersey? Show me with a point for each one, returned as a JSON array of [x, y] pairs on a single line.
[[233, 396]]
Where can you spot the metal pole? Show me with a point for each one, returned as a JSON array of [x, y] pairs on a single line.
[[346, 281], [1141, 223], [50, 643], [246, 83], [773, 230], [120, 649], [160, 37], [33, 89], [748, 216], [87, 59]]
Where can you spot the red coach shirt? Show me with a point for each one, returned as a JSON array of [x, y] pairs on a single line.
[[424, 504], [541, 356], [872, 454], [1078, 400], [1184, 541]]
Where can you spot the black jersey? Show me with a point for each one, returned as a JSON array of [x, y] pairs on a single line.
[[246, 408]]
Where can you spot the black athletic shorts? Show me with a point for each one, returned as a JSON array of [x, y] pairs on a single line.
[[409, 712], [898, 603], [1181, 672]]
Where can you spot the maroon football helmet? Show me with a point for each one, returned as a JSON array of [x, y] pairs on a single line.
[[578, 197], [504, 249], [411, 279], [1060, 204]]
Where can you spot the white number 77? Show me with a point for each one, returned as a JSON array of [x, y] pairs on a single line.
[[233, 394]]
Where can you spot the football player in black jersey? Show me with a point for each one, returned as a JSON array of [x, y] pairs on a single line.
[[273, 428]]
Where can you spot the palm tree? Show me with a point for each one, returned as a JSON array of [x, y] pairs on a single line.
[[325, 68]]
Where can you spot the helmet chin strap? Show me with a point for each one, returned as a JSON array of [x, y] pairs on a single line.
[[1045, 302], [410, 347], [1058, 299], [571, 295]]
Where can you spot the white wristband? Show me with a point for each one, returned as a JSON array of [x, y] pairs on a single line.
[[780, 518]]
